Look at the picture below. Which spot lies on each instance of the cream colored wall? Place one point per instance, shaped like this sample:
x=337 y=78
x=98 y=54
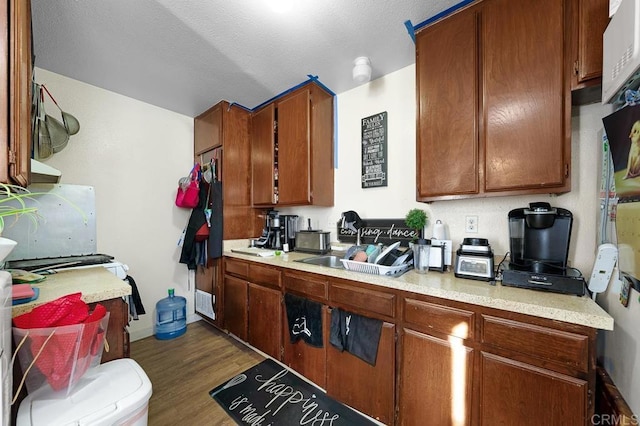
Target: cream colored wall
x=133 y=154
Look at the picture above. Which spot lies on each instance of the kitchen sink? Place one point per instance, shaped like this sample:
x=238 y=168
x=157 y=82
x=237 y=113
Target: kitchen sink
x=329 y=261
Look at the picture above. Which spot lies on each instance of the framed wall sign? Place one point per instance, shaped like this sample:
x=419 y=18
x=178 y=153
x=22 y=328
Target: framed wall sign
x=374 y=150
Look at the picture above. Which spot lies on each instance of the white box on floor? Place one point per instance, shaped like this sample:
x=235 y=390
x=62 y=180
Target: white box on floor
x=113 y=393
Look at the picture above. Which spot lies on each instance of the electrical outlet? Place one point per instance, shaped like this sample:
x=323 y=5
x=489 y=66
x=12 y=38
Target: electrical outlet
x=471 y=224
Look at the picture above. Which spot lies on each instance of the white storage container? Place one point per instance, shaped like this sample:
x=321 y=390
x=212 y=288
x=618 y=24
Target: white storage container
x=114 y=393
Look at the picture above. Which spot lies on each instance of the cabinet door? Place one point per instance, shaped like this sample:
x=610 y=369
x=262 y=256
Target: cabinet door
x=207 y=280
x=447 y=148
x=20 y=72
x=207 y=130
x=525 y=95
x=265 y=317
x=117 y=333
x=294 y=184
x=262 y=155
x=305 y=359
x=514 y=393
x=435 y=380
x=366 y=388
x=591 y=19
x=235 y=306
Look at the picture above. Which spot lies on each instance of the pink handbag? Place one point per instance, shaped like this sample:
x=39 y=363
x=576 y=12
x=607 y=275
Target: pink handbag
x=189 y=189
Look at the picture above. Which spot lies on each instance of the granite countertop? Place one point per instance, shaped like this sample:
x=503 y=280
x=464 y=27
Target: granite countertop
x=95 y=284
x=562 y=307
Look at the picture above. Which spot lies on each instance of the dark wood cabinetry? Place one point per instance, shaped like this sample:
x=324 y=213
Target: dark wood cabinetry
x=16 y=70
x=292 y=150
x=589 y=19
x=117 y=334
x=368 y=388
x=235 y=306
x=438 y=361
x=495 y=106
x=513 y=392
x=222 y=132
x=436 y=380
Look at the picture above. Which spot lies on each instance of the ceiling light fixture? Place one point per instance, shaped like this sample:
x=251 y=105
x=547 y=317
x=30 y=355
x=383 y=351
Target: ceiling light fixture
x=361 y=70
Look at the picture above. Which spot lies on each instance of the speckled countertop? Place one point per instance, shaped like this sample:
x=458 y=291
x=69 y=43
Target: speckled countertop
x=95 y=284
x=567 y=308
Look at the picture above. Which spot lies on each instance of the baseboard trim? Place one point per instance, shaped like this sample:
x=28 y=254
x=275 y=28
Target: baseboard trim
x=611 y=408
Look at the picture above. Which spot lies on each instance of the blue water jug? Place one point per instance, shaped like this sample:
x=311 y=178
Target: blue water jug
x=171 y=317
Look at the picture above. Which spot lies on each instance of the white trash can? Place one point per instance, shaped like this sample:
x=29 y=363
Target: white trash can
x=113 y=393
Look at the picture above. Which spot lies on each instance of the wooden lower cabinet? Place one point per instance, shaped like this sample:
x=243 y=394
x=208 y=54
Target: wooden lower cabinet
x=435 y=380
x=515 y=393
x=439 y=362
x=265 y=314
x=367 y=388
x=117 y=333
x=308 y=360
x=235 y=306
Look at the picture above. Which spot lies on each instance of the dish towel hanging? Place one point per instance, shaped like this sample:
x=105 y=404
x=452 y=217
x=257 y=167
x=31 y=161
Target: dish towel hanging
x=304 y=318
x=355 y=334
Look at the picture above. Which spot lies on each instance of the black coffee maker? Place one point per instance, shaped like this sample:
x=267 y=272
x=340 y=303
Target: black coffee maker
x=539 y=238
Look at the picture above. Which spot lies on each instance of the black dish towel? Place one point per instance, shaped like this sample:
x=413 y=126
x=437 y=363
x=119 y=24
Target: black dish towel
x=305 y=320
x=355 y=334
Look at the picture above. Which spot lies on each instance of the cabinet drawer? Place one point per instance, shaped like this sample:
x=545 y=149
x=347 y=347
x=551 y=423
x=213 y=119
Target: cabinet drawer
x=538 y=341
x=236 y=267
x=441 y=319
x=307 y=285
x=259 y=274
x=369 y=300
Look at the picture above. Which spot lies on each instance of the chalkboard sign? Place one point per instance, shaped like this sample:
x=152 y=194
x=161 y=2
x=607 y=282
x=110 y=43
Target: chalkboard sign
x=385 y=231
x=374 y=150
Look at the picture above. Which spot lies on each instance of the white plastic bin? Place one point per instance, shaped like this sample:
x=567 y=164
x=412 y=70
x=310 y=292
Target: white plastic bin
x=114 y=393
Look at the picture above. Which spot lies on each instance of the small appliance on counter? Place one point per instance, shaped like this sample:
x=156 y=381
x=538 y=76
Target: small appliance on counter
x=279 y=232
x=474 y=260
x=539 y=247
x=313 y=241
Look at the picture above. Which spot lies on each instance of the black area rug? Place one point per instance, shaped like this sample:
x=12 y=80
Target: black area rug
x=271 y=395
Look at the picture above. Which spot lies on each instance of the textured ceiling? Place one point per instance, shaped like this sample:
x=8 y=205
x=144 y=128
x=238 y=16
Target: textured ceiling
x=187 y=55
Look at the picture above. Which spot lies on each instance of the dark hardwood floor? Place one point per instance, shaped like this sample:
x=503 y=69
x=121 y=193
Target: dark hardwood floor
x=183 y=371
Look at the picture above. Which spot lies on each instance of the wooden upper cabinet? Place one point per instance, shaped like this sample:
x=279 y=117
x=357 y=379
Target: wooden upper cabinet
x=292 y=150
x=16 y=166
x=525 y=99
x=223 y=131
x=262 y=155
x=447 y=83
x=589 y=19
x=493 y=102
x=207 y=129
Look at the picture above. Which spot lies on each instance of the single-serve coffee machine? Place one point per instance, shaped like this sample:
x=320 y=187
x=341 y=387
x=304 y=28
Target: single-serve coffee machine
x=539 y=237
x=279 y=231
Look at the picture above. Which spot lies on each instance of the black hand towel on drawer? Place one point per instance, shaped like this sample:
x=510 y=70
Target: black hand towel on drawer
x=356 y=334
x=305 y=320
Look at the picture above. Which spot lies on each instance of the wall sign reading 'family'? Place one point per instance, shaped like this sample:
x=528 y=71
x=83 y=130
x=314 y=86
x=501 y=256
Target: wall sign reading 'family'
x=374 y=150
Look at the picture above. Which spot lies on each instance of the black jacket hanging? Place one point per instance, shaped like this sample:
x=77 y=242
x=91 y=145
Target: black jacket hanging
x=197 y=219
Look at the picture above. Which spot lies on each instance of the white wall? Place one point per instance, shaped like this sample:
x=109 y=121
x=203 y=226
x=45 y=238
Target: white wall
x=133 y=154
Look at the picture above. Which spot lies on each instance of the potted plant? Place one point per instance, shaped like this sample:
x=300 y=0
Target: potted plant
x=416 y=219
